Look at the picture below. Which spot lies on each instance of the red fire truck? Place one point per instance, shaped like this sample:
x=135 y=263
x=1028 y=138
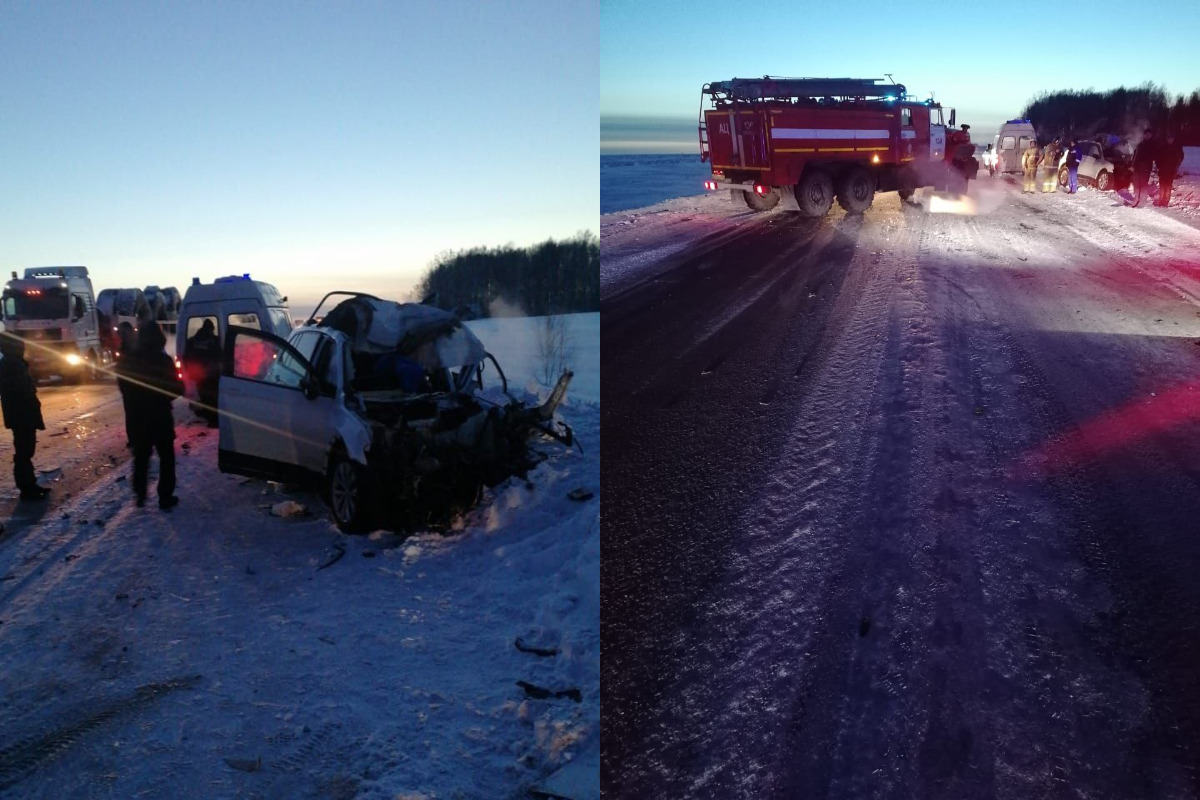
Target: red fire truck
x=803 y=141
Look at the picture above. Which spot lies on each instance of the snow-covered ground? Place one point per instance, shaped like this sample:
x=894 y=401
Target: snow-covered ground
x=220 y=651
x=906 y=502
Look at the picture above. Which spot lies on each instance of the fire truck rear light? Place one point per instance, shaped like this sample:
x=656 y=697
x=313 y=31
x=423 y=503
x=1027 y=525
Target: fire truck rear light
x=875 y=159
x=760 y=189
x=711 y=185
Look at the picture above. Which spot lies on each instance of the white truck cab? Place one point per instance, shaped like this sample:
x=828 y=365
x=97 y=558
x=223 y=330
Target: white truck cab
x=54 y=310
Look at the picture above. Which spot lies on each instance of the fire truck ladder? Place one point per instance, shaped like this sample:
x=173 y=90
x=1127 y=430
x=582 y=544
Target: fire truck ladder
x=704 y=151
x=773 y=88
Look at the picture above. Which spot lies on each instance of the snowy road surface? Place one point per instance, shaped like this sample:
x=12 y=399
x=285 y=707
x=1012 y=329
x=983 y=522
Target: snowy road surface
x=218 y=651
x=903 y=505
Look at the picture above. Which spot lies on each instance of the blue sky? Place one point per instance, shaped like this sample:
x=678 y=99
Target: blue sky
x=314 y=145
x=985 y=59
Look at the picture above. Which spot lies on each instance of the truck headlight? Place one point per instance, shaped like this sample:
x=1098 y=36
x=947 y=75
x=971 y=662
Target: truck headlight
x=73 y=359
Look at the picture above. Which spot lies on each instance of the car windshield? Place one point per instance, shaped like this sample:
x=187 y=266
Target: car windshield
x=35 y=304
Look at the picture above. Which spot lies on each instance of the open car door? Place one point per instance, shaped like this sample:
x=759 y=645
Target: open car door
x=275 y=414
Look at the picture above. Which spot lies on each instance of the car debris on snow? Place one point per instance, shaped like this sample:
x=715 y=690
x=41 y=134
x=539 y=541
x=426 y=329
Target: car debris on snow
x=540 y=693
x=288 y=508
x=245 y=764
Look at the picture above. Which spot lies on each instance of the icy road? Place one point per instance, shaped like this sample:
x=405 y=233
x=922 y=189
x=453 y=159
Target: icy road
x=902 y=505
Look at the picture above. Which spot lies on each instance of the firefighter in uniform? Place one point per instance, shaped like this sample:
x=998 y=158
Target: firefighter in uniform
x=1050 y=167
x=1029 y=163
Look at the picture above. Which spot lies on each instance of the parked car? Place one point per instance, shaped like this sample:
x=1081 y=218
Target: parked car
x=381 y=405
x=1103 y=167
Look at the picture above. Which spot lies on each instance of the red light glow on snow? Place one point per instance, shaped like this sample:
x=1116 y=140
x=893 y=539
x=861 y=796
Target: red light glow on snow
x=1103 y=436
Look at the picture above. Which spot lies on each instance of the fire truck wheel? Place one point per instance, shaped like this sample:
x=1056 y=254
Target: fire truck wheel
x=856 y=190
x=763 y=202
x=814 y=194
x=908 y=185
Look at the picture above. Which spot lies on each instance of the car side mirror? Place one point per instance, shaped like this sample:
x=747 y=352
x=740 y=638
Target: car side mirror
x=311 y=388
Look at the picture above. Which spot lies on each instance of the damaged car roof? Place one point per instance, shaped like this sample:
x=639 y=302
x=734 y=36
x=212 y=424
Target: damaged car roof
x=433 y=338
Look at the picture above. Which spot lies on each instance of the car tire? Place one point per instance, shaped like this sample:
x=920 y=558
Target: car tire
x=348 y=495
x=1104 y=180
x=856 y=190
x=763 y=202
x=814 y=193
x=1064 y=179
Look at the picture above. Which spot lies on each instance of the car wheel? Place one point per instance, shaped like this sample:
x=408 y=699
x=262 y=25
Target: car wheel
x=1064 y=179
x=814 y=193
x=763 y=202
x=856 y=190
x=348 y=496
x=1104 y=180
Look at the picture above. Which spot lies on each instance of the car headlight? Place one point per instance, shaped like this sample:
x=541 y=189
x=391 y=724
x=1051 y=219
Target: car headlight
x=74 y=360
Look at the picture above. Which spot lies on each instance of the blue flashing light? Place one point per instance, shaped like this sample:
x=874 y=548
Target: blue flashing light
x=890 y=98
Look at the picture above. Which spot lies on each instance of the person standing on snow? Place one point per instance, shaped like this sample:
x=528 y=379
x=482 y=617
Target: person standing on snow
x=1029 y=162
x=147 y=377
x=1050 y=167
x=22 y=414
x=1073 y=167
x=202 y=354
x=1143 y=162
x=1170 y=157
x=989 y=161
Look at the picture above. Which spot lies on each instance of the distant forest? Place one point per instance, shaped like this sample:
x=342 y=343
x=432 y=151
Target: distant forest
x=1122 y=112
x=554 y=277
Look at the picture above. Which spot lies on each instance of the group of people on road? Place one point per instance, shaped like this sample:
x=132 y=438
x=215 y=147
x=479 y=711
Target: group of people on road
x=1046 y=159
x=1150 y=153
x=1166 y=155
x=148 y=384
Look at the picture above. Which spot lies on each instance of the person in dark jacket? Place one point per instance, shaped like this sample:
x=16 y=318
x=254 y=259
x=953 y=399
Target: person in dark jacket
x=126 y=344
x=1143 y=163
x=22 y=413
x=1073 y=168
x=202 y=354
x=1170 y=157
x=148 y=379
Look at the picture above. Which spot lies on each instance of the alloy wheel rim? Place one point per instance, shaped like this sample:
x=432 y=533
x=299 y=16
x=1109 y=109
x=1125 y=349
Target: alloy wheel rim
x=345 y=485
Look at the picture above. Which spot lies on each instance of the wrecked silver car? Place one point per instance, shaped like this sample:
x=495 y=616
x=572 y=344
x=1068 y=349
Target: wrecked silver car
x=381 y=405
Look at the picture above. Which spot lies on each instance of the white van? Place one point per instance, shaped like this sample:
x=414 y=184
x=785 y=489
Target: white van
x=233 y=300
x=1011 y=143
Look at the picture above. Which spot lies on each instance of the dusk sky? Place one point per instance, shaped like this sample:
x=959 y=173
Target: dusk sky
x=984 y=59
x=314 y=145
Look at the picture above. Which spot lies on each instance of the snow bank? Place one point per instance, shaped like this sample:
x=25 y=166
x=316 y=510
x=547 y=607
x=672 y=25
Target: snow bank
x=516 y=344
x=231 y=652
